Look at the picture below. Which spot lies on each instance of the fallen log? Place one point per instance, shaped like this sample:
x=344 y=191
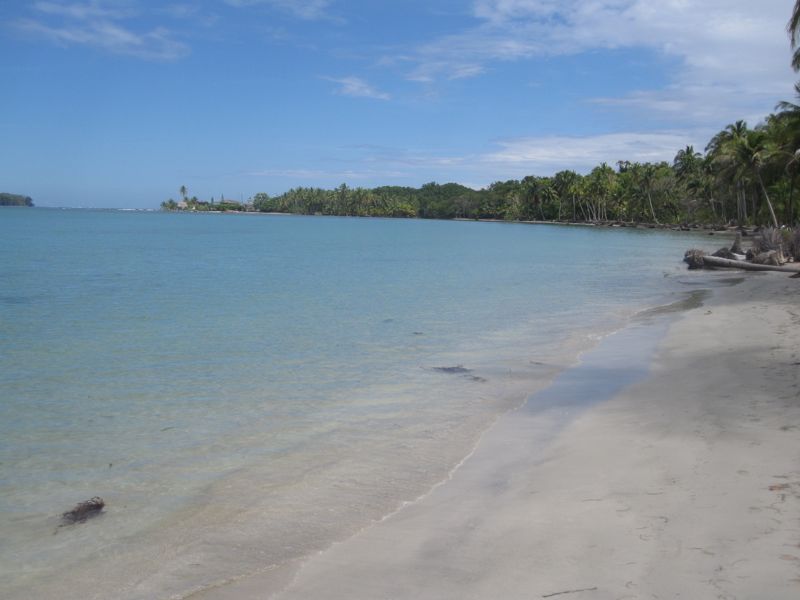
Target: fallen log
x=698 y=260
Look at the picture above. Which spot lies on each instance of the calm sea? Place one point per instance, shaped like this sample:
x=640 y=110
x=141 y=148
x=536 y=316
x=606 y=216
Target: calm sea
x=244 y=390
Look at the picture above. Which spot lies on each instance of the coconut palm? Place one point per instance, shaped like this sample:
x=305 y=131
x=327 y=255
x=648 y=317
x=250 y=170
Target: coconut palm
x=753 y=151
x=729 y=170
x=687 y=162
x=793 y=27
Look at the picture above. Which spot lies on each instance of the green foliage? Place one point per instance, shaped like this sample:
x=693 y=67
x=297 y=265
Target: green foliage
x=745 y=177
x=7 y=199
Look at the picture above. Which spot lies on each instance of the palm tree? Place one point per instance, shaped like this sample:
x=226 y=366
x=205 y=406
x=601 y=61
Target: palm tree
x=783 y=129
x=722 y=153
x=753 y=151
x=692 y=171
x=687 y=162
x=793 y=27
x=183 y=192
x=566 y=184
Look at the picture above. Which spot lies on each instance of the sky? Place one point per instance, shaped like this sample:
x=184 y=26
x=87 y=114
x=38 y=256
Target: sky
x=118 y=103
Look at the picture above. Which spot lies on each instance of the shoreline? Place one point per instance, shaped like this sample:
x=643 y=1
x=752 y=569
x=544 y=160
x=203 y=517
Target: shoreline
x=706 y=228
x=187 y=549
x=684 y=483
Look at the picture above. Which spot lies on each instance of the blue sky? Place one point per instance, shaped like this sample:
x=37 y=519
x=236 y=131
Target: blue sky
x=117 y=103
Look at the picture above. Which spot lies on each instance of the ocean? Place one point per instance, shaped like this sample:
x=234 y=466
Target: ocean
x=245 y=390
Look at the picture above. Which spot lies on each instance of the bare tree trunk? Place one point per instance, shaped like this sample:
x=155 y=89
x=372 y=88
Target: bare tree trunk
x=742 y=203
x=726 y=263
x=766 y=197
x=650 y=202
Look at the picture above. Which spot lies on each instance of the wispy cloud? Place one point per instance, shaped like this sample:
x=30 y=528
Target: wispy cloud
x=731 y=55
x=84 y=10
x=303 y=9
x=358 y=88
x=503 y=159
x=547 y=154
x=100 y=25
x=514 y=158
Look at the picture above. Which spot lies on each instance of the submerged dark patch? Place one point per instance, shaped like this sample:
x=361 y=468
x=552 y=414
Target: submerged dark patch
x=453 y=370
x=84 y=510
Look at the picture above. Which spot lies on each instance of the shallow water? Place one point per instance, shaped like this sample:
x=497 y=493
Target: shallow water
x=242 y=390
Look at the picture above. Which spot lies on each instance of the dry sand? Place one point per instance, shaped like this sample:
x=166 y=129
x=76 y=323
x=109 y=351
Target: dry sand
x=684 y=484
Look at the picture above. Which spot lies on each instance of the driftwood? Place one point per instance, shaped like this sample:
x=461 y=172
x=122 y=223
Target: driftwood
x=697 y=259
x=741 y=264
x=84 y=510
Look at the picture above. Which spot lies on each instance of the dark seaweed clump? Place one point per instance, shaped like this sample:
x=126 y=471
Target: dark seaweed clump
x=84 y=510
x=456 y=370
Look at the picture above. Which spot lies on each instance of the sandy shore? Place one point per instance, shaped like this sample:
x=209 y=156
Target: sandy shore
x=685 y=483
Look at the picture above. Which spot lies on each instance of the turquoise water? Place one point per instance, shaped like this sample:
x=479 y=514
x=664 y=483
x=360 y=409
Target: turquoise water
x=244 y=389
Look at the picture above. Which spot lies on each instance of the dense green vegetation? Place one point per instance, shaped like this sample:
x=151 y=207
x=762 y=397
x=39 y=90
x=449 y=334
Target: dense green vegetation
x=7 y=199
x=746 y=175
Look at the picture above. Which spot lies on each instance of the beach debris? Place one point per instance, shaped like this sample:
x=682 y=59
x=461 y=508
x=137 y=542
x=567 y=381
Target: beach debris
x=724 y=253
x=697 y=259
x=458 y=369
x=779 y=487
x=84 y=510
x=591 y=589
x=694 y=258
x=770 y=257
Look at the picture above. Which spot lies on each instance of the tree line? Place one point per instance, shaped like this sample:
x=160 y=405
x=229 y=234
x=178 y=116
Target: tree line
x=745 y=176
x=7 y=199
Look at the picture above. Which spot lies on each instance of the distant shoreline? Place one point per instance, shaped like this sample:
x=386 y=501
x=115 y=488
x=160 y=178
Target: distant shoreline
x=696 y=227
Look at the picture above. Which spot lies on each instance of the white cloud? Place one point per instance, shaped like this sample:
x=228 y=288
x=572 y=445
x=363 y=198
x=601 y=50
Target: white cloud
x=100 y=24
x=515 y=158
x=358 y=88
x=548 y=154
x=83 y=10
x=505 y=159
x=732 y=55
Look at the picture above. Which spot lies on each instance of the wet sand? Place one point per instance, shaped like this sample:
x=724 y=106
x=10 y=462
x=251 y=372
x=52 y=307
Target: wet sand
x=677 y=480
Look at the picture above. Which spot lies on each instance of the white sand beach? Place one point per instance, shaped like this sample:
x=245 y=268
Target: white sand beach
x=686 y=484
